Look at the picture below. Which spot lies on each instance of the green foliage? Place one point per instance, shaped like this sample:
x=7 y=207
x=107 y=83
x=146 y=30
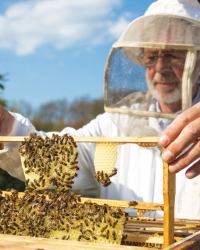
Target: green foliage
x=2 y=101
x=7 y=181
x=56 y=115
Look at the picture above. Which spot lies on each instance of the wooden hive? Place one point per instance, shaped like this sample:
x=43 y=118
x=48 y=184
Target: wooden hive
x=142 y=232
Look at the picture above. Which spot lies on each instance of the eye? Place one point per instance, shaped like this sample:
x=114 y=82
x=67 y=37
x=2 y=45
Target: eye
x=174 y=58
x=150 y=58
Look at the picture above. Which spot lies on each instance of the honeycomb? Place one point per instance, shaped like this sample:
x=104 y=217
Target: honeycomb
x=60 y=215
x=50 y=161
x=104 y=162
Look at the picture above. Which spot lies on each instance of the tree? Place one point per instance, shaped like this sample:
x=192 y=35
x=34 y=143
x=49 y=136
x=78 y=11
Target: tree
x=2 y=79
x=83 y=110
x=51 y=116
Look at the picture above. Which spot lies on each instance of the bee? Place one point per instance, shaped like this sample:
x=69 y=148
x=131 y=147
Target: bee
x=79 y=200
x=48 y=160
x=52 y=157
x=97 y=224
x=132 y=203
x=43 y=182
x=86 y=237
x=73 y=167
x=114 y=172
x=76 y=156
x=57 y=172
x=29 y=209
x=86 y=222
x=62 y=222
x=105 y=210
x=70 y=222
x=69 y=186
x=36 y=183
x=11 y=227
x=106 y=184
x=65 y=237
x=71 y=149
x=67 y=228
x=32 y=184
x=101 y=175
x=40 y=179
x=93 y=236
x=27 y=182
x=103 y=219
x=115 y=215
x=114 y=235
x=124 y=236
x=66 y=173
x=16 y=225
x=65 y=140
x=79 y=237
x=75 y=227
x=109 y=222
x=107 y=234
x=104 y=228
x=115 y=223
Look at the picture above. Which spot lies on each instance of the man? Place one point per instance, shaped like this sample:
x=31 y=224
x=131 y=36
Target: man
x=167 y=71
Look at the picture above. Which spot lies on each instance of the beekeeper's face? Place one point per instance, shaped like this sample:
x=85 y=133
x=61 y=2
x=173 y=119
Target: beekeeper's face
x=164 y=71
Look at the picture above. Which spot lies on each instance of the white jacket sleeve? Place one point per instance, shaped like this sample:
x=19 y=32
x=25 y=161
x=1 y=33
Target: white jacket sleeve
x=10 y=158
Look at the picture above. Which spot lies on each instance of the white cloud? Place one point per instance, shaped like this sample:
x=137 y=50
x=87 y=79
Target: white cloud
x=62 y=23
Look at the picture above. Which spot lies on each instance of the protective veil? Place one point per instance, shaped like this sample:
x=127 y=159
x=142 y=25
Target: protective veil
x=128 y=98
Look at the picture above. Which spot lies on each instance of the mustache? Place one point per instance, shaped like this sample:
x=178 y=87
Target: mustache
x=165 y=78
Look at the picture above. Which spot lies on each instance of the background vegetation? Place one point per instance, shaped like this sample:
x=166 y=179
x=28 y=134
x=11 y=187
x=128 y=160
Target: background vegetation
x=51 y=116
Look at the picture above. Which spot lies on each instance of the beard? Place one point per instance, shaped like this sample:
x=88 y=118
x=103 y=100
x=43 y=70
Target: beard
x=165 y=95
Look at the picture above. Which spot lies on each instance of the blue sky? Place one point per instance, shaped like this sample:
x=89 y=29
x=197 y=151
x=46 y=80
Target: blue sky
x=55 y=49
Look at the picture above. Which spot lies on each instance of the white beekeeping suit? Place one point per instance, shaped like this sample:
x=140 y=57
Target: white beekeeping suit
x=140 y=172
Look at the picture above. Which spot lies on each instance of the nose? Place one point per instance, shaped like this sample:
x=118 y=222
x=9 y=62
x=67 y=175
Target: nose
x=161 y=65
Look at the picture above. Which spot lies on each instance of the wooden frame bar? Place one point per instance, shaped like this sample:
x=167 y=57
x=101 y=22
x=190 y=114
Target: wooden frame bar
x=169 y=198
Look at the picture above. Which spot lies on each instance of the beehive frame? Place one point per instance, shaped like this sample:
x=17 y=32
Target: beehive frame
x=168 y=178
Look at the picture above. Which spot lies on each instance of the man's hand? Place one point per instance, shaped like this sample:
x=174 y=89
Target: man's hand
x=183 y=134
x=6 y=123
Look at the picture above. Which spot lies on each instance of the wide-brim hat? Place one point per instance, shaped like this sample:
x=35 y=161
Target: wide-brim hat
x=175 y=22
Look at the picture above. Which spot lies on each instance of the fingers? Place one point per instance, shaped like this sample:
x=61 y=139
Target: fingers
x=182 y=136
x=193 y=171
x=182 y=132
x=191 y=155
x=188 y=136
x=176 y=127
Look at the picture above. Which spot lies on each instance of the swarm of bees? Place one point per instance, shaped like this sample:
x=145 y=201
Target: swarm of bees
x=104 y=178
x=50 y=161
x=60 y=215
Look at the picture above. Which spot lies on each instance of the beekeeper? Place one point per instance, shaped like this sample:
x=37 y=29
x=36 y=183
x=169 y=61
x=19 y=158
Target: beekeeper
x=151 y=77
